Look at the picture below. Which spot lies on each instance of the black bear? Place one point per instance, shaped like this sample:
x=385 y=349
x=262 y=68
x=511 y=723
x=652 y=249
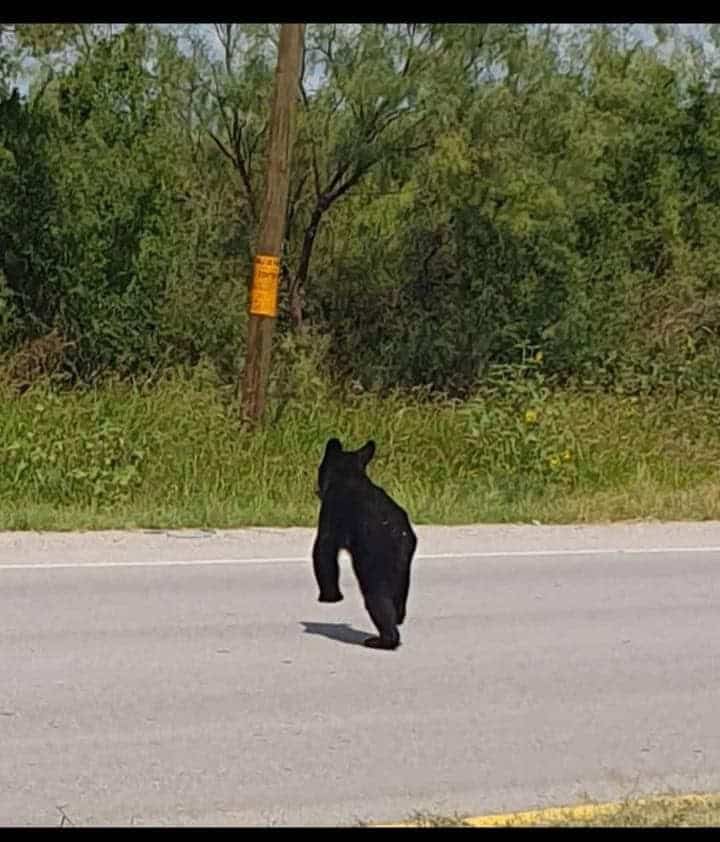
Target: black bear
x=358 y=516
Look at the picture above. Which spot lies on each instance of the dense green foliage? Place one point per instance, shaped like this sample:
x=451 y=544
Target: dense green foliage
x=463 y=197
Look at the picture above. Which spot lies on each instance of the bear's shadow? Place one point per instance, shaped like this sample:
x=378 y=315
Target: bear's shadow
x=337 y=631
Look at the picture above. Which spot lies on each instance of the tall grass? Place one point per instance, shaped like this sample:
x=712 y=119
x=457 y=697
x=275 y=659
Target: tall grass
x=175 y=454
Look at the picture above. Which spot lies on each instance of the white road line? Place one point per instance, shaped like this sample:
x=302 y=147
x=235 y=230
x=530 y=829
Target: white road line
x=210 y=562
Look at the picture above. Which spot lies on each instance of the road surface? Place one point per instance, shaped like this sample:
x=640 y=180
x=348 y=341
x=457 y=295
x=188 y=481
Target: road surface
x=193 y=679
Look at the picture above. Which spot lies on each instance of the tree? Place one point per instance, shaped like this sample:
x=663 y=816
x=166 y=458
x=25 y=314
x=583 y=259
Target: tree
x=363 y=110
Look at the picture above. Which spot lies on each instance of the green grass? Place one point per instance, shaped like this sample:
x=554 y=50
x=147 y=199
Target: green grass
x=175 y=455
x=657 y=811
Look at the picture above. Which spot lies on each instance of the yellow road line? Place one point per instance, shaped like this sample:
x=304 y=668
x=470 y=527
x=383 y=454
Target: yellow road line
x=576 y=813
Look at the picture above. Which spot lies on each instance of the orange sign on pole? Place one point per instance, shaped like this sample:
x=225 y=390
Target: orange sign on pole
x=264 y=288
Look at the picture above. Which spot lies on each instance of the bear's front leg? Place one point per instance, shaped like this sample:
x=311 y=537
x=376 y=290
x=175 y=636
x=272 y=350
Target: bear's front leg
x=327 y=569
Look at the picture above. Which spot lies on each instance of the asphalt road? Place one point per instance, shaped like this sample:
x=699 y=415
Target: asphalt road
x=193 y=679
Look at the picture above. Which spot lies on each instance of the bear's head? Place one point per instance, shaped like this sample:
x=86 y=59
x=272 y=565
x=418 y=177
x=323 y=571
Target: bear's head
x=342 y=464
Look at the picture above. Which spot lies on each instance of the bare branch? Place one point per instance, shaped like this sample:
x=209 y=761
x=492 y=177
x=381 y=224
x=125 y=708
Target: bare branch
x=295 y=199
x=302 y=72
x=336 y=104
x=313 y=142
x=238 y=162
x=339 y=173
x=360 y=171
x=224 y=33
x=411 y=28
x=221 y=146
x=86 y=43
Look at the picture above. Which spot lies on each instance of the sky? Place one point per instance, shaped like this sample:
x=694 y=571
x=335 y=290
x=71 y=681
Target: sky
x=643 y=31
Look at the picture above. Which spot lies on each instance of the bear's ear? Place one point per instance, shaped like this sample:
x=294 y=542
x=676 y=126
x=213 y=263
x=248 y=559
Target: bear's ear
x=366 y=453
x=333 y=446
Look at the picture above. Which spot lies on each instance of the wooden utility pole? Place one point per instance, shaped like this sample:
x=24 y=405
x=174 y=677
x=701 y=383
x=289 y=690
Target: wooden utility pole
x=266 y=266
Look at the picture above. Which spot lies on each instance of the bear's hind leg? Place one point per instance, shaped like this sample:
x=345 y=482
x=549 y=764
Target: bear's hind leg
x=402 y=595
x=383 y=614
x=406 y=551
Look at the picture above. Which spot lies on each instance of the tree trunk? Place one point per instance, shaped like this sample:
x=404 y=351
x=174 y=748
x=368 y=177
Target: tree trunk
x=297 y=287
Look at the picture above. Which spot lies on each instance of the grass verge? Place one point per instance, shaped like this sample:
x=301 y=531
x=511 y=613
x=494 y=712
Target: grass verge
x=174 y=455
x=658 y=811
